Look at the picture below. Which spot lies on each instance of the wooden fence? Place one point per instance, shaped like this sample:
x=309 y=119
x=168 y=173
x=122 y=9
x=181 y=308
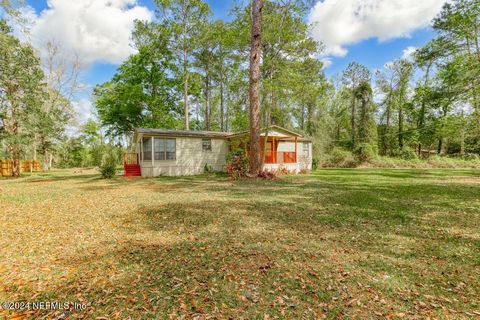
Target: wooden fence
x=6 y=167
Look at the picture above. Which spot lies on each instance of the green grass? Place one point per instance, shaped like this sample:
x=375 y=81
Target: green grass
x=350 y=243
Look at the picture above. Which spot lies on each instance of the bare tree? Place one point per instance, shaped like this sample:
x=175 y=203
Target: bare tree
x=62 y=79
x=255 y=52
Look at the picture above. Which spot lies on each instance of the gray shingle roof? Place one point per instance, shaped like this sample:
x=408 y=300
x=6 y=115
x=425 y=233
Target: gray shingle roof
x=185 y=133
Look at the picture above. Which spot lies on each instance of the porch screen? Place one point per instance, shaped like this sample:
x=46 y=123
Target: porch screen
x=284 y=146
x=165 y=149
x=147 y=149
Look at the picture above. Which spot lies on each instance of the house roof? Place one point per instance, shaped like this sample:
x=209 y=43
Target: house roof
x=184 y=133
x=273 y=127
x=213 y=134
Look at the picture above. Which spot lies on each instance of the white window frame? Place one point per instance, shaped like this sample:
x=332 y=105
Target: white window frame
x=204 y=148
x=164 y=149
x=306 y=147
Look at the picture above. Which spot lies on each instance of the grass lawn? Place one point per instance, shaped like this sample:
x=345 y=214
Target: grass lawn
x=337 y=243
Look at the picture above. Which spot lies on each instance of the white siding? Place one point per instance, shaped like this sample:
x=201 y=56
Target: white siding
x=190 y=158
x=304 y=157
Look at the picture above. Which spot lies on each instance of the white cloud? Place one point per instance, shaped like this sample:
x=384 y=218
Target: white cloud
x=408 y=52
x=338 y=23
x=84 y=110
x=95 y=30
x=327 y=62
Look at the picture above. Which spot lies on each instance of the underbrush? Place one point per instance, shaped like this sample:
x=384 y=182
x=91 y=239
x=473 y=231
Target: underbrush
x=340 y=158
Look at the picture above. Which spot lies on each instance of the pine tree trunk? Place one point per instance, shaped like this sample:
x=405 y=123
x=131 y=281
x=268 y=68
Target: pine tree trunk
x=462 y=136
x=14 y=148
x=185 y=87
x=254 y=90
x=207 y=103
x=46 y=160
x=400 y=127
x=353 y=121
x=15 y=153
x=35 y=147
x=222 y=102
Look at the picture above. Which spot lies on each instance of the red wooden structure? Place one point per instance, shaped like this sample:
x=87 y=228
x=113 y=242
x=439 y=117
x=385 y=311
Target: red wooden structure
x=131 y=165
x=272 y=156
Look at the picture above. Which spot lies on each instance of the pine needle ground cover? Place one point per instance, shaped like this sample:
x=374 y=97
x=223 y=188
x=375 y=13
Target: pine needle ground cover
x=336 y=243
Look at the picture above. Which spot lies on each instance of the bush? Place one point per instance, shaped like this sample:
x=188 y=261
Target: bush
x=315 y=163
x=237 y=164
x=471 y=157
x=408 y=154
x=108 y=167
x=365 y=152
x=207 y=168
x=341 y=158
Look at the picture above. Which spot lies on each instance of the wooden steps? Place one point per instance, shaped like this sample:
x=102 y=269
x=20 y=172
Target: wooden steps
x=132 y=170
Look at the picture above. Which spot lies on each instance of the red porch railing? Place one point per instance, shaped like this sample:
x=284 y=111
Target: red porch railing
x=279 y=157
x=130 y=158
x=131 y=165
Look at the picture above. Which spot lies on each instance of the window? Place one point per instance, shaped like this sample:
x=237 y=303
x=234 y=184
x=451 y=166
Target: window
x=165 y=149
x=147 y=149
x=159 y=149
x=306 y=148
x=207 y=144
x=170 y=149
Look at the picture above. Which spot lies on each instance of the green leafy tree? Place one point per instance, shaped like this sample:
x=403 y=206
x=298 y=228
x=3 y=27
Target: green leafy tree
x=22 y=91
x=184 y=18
x=143 y=91
x=352 y=77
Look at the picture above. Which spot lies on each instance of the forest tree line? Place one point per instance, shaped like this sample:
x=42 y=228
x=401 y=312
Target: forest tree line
x=192 y=72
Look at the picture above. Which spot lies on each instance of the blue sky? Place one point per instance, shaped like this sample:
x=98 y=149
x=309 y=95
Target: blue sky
x=371 y=32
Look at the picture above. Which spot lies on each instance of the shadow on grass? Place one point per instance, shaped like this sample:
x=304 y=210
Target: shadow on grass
x=289 y=248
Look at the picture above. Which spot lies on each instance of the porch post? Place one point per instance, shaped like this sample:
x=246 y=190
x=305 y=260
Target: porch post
x=141 y=148
x=274 y=153
x=296 y=150
x=153 y=153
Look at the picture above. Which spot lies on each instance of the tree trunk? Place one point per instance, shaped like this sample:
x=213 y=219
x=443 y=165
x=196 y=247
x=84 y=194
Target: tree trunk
x=421 y=120
x=462 y=136
x=363 y=134
x=185 y=87
x=255 y=51
x=35 y=147
x=400 y=126
x=353 y=121
x=222 y=102
x=207 y=103
x=386 y=144
x=14 y=148
x=15 y=153
x=46 y=160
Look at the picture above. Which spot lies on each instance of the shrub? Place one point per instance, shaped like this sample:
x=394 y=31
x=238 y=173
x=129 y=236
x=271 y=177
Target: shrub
x=408 y=154
x=315 y=163
x=237 y=164
x=207 y=168
x=341 y=158
x=471 y=157
x=108 y=166
x=365 y=152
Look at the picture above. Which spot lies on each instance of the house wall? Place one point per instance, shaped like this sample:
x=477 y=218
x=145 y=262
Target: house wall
x=190 y=158
x=304 y=158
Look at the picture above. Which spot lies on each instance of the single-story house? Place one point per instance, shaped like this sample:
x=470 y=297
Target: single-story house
x=181 y=152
